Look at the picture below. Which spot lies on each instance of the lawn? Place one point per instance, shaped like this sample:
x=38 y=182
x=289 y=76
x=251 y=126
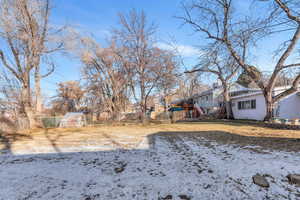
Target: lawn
x=203 y=160
x=108 y=137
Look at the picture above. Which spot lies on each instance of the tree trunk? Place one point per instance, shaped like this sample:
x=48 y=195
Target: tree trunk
x=269 y=106
x=165 y=104
x=27 y=105
x=30 y=116
x=143 y=104
x=116 y=112
x=38 y=96
x=227 y=103
x=143 y=113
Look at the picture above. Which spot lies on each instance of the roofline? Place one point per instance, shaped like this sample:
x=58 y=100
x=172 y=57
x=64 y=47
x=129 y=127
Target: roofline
x=258 y=93
x=220 y=87
x=255 y=91
x=247 y=95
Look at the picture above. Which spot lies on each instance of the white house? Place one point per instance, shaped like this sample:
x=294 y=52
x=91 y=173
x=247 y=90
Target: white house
x=211 y=100
x=251 y=105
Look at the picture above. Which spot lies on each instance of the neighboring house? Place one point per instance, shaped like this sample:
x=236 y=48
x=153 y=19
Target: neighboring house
x=211 y=100
x=247 y=103
x=250 y=104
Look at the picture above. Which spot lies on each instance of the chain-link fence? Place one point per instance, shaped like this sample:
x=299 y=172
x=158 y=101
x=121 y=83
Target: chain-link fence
x=51 y=122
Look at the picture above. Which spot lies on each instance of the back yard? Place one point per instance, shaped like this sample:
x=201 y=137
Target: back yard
x=203 y=160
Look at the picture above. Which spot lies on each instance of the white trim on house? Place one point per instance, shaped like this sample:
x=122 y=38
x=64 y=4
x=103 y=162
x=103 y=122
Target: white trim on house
x=258 y=113
x=286 y=108
x=246 y=95
x=211 y=100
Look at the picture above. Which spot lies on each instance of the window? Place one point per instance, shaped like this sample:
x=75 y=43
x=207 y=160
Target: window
x=250 y=104
x=253 y=104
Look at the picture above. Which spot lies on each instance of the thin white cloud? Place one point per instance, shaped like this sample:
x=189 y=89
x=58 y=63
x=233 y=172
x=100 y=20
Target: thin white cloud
x=102 y=33
x=183 y=50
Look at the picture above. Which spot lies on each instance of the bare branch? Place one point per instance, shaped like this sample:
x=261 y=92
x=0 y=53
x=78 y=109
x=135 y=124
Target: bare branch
x=294 y=88
x=286 y=9
x=202 y=70
x=11 y=69
x=50 y=71
x=291 y=65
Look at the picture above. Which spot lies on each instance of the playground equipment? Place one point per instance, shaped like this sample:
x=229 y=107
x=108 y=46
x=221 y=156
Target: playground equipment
x=199 y=109
x=186 y=110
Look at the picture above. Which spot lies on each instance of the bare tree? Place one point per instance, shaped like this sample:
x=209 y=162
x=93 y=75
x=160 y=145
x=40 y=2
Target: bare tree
x=216 y=19
x=107 y=76
x=9 y=96
x=215 y=60
x=147 y=63
x=69 y=97
x=285 y=78
x=189 y=85
x=167 y=85
x=27 y=38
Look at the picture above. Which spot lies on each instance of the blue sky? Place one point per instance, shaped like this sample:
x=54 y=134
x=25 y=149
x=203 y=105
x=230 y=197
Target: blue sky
x=97 y=17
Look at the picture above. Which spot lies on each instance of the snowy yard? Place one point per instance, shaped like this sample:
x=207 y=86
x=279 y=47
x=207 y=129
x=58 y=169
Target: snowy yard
x=196 y=161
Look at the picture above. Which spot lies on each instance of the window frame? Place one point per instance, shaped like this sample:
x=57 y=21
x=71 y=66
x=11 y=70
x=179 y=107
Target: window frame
x=247 y=104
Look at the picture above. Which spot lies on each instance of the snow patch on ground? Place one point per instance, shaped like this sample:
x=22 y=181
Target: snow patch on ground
x=173 y=165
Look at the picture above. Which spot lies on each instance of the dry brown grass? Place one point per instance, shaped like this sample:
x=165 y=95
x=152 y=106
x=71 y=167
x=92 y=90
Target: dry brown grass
x=130 y=136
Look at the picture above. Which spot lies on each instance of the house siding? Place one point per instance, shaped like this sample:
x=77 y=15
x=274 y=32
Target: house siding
x=207 y=102
x=287 y=108
x=255 y=114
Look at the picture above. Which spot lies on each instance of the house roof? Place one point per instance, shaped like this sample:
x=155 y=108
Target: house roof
x=247 y=95
x=206 y=92
x=237 y=88
x=256 y=92
x=234 y=88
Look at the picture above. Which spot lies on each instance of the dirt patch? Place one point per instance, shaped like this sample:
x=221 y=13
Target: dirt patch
x=132 y=136
x=251 y=143
x=179 y=164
